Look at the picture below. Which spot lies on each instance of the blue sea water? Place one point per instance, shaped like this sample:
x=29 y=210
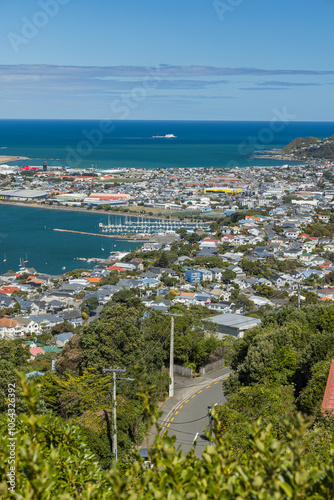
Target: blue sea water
x=119 y=144
x=26 y=233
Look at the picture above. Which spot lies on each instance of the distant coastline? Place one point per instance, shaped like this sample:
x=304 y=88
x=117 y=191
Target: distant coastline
x=10 y=159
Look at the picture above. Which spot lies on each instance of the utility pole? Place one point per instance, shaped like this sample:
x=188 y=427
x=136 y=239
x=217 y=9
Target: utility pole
x=171 y=353
x=114 y=437
x=171 y=358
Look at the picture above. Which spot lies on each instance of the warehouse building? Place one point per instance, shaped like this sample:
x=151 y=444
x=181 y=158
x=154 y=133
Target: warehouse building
x=23 y=194
x=222 y=189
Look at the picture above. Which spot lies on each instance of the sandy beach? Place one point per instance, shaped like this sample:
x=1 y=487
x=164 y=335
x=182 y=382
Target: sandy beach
x=9 y=159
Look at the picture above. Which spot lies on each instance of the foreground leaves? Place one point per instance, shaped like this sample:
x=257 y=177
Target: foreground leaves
x=53 y=462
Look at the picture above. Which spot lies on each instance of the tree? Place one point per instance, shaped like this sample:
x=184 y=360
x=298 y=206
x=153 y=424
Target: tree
x=229 y=275
x=58 y=462
x=90 y=305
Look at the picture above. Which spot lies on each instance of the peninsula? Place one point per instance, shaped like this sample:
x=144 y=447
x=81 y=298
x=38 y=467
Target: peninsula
x=301 y=149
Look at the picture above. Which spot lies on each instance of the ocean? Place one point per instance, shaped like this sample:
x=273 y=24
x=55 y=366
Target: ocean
x=129 y=144
x=25 y=232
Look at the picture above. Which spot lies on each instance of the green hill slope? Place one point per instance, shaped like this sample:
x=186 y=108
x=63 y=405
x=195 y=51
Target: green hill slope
x=311 y=148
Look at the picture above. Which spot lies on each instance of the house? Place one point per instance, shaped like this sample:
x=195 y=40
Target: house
x=186 y=298
x=150 y=282
x=128 y=284
x=116 y=268
x=260 y=301
x=11 y=329
x=323 y=218
x=34 y=351
x=47 y=320
x=181 y=259
x=73 y=316
x=209 y=243
x=8 y=290
x=193 y=276
x=306 y=257
x=63 y=338
x=231 y=324
x=6 y=301
x=206 y=275
x=291 y=233
x=29 y=325
x=327 y=406
x=217 y=273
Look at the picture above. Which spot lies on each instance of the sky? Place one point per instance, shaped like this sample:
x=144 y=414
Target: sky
x=175 y=60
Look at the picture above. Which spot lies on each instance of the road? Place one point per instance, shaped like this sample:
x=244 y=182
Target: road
x=190 y=419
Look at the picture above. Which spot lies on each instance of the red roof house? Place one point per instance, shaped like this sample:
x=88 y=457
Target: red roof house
x=328 y=401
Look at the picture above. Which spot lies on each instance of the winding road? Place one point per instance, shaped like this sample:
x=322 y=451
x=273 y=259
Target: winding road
x=189 y=420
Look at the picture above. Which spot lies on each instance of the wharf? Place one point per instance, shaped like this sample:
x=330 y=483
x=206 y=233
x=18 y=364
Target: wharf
x=127 y=237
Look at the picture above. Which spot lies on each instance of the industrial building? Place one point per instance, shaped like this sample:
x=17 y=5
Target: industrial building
x=23 y=194
x=222 y=189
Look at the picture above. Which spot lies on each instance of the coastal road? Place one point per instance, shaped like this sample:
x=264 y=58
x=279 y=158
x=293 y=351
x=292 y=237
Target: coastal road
x=189 y=420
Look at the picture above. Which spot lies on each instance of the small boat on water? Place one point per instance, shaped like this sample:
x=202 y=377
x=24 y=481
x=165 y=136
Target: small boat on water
x=4 y=258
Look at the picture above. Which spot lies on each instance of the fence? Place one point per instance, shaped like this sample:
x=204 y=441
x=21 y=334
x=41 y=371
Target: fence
x=212 y=367
x=184 y=371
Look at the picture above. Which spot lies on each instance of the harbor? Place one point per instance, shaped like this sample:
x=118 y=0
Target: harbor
x=146 y=227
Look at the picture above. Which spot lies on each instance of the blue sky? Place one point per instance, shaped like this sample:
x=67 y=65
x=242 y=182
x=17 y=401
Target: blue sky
x=185 y=59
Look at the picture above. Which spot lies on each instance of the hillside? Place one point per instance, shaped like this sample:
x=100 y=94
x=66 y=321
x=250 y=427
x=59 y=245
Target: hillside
x=311 y=148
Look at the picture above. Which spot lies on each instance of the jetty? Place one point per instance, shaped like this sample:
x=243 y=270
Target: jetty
x=128 y=237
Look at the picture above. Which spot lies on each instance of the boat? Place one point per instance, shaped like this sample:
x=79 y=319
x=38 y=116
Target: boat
x=4 y=258
x=26 y=261
x=167 y=136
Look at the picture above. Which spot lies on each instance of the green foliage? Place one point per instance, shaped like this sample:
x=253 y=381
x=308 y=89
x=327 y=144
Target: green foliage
x=276 y=463
x=89 y=305
x=112 y=279
x=269 y=402
x=63 y=327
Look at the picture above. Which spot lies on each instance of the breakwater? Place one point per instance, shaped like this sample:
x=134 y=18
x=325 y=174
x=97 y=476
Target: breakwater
x=128 y=237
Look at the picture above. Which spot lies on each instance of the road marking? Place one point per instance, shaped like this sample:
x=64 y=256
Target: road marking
x=177 y=412
x=181 y=407
x=187 y=401
x=193 y=396
x=217 y=382
x=172 y=419
x=195 y=437
x=200 y=391
x=168 y=424
x=208 y=386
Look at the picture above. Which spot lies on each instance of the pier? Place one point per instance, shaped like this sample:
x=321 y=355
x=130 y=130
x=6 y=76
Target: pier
x=128 y=237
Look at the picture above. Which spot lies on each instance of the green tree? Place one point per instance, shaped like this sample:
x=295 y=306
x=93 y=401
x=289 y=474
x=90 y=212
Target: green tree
x=90 y=305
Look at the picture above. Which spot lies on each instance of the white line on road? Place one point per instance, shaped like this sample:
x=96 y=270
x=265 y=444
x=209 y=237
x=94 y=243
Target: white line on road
x=195 y=437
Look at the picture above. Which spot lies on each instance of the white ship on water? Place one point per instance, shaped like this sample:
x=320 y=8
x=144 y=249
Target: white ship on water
x=167 y=136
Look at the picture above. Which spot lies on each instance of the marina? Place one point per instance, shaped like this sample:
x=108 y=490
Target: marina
x=146 y=227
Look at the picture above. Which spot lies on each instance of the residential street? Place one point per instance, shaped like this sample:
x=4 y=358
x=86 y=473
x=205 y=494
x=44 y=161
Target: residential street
x=186 y=415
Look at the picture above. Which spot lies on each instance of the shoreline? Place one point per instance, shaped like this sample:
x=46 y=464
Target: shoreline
x=85 y=210
x=10 y=159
